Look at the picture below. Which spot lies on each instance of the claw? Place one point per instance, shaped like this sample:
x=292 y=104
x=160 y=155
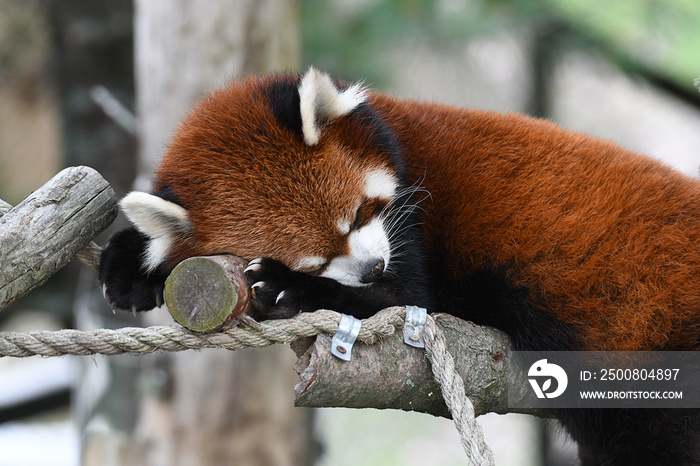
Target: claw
x=159 y=300
x=252 y=267
x=255 y=286
x=114 y=308
x=279 y=296
x=104 y=291
x=133 y=310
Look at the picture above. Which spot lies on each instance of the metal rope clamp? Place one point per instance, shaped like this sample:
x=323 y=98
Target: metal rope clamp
x=413 y=328
x=344 y=338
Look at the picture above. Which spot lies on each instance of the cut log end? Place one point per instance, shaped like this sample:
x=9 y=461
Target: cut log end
x=206 y=294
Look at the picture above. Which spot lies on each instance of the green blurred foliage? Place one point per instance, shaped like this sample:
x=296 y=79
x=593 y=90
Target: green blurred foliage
x=662 y=34
x=352 y=38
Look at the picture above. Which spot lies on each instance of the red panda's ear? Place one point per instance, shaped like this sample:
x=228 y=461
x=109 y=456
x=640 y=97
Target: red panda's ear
x=320 y=101
x=158 y=219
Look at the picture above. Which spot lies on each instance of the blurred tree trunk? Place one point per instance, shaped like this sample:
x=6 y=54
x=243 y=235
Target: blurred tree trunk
x=211 y=407
x=93 y=49
x=544 y=53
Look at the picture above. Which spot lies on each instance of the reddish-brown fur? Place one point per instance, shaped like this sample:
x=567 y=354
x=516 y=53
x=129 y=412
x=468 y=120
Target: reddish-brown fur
x=231 y=148
x=608 y=239
x=575 y=243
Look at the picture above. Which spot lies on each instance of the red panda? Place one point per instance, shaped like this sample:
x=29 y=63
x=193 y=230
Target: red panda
x=347 y=199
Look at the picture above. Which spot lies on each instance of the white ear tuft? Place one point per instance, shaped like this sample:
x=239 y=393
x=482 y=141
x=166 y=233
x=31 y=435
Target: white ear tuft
x=158 y=219
x=153 y=215
x=321 y=100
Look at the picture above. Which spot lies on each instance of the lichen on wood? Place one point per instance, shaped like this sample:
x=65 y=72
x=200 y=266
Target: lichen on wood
x=204 y=294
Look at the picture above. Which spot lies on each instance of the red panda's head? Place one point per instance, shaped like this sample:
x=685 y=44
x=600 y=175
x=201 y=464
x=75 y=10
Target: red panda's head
x=298 y=169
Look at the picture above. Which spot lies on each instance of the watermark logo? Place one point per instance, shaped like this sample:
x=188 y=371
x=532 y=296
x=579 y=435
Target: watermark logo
x=605 y=379
x=544 y=372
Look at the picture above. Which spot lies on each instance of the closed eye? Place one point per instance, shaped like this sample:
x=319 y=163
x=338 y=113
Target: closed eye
x=316 y=271
x=358 y=218
x=369 y=209
x=312 y=265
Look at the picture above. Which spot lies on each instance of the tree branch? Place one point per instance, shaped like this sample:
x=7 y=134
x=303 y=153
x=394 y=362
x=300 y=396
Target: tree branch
x=389 y=374
x=43 y=233
x=393 y=375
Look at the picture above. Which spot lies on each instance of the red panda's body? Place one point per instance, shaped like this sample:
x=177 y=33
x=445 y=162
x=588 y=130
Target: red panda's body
x=605 y=239
x=355 y=201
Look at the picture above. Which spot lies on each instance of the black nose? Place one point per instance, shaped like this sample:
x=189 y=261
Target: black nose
x=373 y=271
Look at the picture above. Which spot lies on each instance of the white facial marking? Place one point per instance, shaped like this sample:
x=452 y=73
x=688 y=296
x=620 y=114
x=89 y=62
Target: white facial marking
x=380 y=184
x=367 y=245
x=343 y=226
x=158 y=219
x=320 y=100
x=310 y=263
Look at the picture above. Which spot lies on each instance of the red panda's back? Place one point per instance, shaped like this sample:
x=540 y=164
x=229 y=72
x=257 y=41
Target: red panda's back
x=607 y=239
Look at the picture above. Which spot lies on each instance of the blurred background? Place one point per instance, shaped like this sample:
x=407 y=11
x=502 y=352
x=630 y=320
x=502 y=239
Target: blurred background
x=102 y=83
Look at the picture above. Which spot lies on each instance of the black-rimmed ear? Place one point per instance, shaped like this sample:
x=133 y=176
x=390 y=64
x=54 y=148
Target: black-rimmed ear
x=321 y=101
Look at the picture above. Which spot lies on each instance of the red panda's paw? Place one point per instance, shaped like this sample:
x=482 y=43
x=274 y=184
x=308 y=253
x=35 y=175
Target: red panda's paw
x=275 y=290
x=125 y=283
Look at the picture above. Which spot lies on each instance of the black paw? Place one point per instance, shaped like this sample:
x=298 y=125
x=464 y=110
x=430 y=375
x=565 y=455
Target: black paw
x=276 y=291
x=124 y=282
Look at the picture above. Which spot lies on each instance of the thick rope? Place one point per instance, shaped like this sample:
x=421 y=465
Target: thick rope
x=147 y=340
x=90 y=255
x=452 y=387
x=137 y=340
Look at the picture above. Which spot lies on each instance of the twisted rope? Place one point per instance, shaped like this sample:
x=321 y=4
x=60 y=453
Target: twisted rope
x=90 y=255
x=137 y=340
x=452 y=387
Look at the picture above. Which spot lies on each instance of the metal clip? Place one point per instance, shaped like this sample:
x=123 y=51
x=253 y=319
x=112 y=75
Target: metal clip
x=413 y=328
x=344 y=338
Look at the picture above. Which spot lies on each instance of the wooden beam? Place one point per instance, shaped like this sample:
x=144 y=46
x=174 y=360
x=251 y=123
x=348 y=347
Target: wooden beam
x=42 y=233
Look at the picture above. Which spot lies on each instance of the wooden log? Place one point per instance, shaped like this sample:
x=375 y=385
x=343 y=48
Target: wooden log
x=393 y=375
x=42 y=233
x=205 y=294
x=89 y=256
